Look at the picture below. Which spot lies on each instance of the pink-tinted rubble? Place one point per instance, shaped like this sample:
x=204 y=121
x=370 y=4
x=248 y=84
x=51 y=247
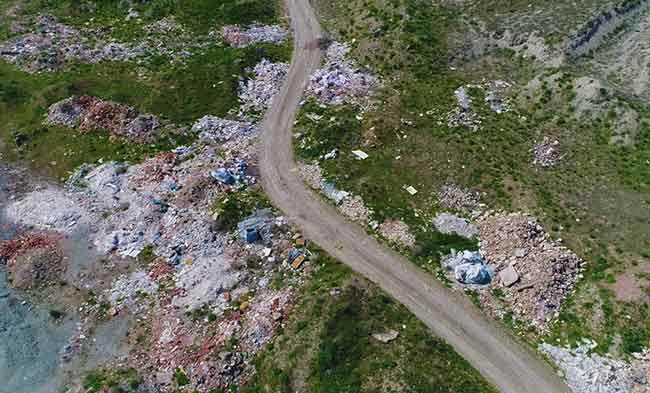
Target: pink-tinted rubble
x=398 y=232
x=257 y=93
x=85 y=113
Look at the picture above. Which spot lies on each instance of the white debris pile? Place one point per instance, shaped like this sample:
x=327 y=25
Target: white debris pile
x=127 y=289
x=257 y=93
x=203 y=281
x=340 y=81
x=536 y=273
x=448 y=223
x=398 y=232
x=589 y=372
x=216 y=129
x=257 y=34
x=546 y=153
x=496 y=95
x=454 y=197
x=50 y=209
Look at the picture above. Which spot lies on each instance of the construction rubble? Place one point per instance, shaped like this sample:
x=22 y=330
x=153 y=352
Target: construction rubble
x=257 y=34
x=546 y=153
x=534 y=272
x=85 y=113
x=589 y=372
x=340 y=81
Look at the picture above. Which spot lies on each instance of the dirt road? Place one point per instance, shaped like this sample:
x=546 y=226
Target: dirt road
x=511 y=367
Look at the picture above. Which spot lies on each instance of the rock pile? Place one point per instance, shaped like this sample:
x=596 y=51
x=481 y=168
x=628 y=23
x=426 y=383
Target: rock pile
x=257 y=93
x=536 y=273
x=340 y=81
x=587 y=372
x=398 y=232
x=546 y=153
x=240 y=38
x=85 y=113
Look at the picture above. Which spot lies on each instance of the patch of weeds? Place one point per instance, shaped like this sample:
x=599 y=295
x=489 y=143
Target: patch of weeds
x=234 y=207
x=146 y=255
x=180 y=378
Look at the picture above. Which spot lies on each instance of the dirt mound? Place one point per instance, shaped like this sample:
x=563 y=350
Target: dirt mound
x=33 y=260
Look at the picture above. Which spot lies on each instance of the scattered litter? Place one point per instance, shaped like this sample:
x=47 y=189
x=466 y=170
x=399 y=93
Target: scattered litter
x=215 y=129
x=386 y=337
x=411 y=190
x=126 y=289
x=360 y=154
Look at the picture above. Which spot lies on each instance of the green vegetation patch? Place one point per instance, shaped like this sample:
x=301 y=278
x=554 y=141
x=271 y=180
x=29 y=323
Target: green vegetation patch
x=113 y=381
x=327 y=346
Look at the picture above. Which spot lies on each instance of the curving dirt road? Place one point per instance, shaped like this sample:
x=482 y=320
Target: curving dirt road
x=511 y=367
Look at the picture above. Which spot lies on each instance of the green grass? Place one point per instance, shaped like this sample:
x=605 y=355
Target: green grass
x=326 y=345
x=181 y=94
x=596 y=199
x=113 y=381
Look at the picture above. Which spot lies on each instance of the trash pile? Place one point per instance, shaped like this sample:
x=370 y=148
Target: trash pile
x=535 y=272
x=52 y=45
x=257 y=34
x=398 y=232
x=257 y=93
x=340 y=81
x=454 y=197
x=216 y=129
x=467 y=267
x=86 y=113
x=448 y=223
x=351 y=206
x=546 y=153
x=589 y=372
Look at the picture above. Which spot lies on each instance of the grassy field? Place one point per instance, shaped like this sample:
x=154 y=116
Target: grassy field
x=326 y=345
x=596 y=199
